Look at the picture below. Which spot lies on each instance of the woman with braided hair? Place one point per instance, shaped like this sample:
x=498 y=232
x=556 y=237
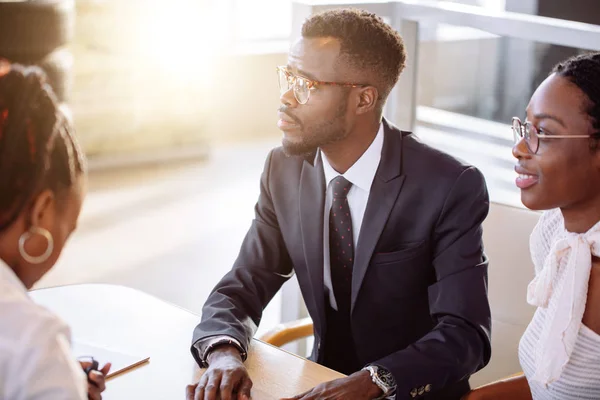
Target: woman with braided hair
x=558 y=166
x=42 y=186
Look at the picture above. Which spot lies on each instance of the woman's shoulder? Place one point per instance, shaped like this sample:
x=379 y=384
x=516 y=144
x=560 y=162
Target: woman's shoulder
x=23 y=322
x=35 y=342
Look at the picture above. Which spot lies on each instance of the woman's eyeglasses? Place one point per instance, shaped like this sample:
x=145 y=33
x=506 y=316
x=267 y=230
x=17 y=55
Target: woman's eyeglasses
x=532 y=135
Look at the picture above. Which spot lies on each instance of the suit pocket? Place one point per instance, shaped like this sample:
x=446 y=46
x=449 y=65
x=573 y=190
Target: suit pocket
x=406 y=251
x=401 y=274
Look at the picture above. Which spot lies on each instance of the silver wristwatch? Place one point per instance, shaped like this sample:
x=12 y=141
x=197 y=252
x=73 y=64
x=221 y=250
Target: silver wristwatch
x=383 y=379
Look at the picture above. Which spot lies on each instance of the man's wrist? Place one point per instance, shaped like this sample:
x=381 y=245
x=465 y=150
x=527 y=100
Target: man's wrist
x=221 y=342
x=383 y=379
x=375 y=391
x=223 y=350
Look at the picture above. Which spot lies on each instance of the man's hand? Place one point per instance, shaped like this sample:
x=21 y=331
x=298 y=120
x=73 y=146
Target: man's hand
x=96 y=380
x=226 y=377
x=358 y=386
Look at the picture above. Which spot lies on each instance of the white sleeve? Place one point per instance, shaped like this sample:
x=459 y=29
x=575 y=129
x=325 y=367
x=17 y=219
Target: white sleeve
x=43 y=368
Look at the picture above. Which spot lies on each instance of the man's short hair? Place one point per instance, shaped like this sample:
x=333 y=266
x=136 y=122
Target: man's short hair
x=367 y=43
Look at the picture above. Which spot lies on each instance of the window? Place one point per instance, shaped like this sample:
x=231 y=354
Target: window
x=253 y=20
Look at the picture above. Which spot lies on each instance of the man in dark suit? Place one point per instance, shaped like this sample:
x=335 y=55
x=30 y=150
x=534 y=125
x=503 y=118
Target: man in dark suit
x=383 y=232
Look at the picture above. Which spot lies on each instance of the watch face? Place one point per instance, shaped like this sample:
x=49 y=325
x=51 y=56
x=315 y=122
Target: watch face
x=386 y=377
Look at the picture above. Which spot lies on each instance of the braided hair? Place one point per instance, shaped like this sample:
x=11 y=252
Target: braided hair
x=38 y=149
x=584 y=71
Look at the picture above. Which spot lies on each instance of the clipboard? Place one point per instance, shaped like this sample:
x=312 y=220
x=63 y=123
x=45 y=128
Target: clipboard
x=121 y=362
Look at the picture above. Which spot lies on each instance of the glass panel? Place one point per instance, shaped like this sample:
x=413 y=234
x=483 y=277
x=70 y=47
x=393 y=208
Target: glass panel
x=470 y=85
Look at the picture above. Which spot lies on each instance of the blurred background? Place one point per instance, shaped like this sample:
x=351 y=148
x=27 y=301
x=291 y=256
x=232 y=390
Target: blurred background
x=175 y=104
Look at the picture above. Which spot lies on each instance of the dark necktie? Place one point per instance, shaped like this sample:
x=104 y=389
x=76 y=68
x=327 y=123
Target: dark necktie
x=341 y=245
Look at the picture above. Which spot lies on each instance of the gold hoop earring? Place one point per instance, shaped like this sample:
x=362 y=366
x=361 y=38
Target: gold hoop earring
x=27 y=235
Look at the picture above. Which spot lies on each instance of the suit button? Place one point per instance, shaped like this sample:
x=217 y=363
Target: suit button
x=414 y=392
x=421 y=390
x=428 y=388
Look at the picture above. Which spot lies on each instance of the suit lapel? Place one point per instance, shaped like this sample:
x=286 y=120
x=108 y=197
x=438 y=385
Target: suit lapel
x=384 y=192
x=312 y=205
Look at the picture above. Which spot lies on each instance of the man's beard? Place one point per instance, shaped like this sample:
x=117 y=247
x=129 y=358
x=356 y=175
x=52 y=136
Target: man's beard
x=320 y=135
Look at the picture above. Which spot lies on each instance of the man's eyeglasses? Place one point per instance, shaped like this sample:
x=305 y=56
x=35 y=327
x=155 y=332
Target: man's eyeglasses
x=532 y=135
x=303 y=86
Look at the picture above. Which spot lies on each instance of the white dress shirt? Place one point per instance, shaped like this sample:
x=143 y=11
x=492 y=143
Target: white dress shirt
x=361 y=175
x=35 y=357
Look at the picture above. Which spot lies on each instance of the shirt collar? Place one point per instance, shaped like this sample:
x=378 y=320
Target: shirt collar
x=362 y=172
x=8 y=275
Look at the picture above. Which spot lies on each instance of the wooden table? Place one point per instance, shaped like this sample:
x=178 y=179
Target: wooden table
x=133 y=322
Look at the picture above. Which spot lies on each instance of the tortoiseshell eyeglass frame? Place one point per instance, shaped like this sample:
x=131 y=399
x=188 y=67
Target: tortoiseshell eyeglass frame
x=310 y=84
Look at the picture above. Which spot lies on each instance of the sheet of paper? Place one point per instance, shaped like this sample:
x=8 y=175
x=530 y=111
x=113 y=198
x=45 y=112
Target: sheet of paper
x=121 y=362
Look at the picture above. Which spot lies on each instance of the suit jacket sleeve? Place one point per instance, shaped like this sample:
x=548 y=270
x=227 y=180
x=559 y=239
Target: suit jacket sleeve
x=459 y=345
x=234 y=307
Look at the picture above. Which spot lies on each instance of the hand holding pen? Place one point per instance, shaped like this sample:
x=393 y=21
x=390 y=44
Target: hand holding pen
x=96 y=377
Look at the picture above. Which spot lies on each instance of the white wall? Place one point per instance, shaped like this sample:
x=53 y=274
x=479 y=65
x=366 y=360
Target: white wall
x=506 y=240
